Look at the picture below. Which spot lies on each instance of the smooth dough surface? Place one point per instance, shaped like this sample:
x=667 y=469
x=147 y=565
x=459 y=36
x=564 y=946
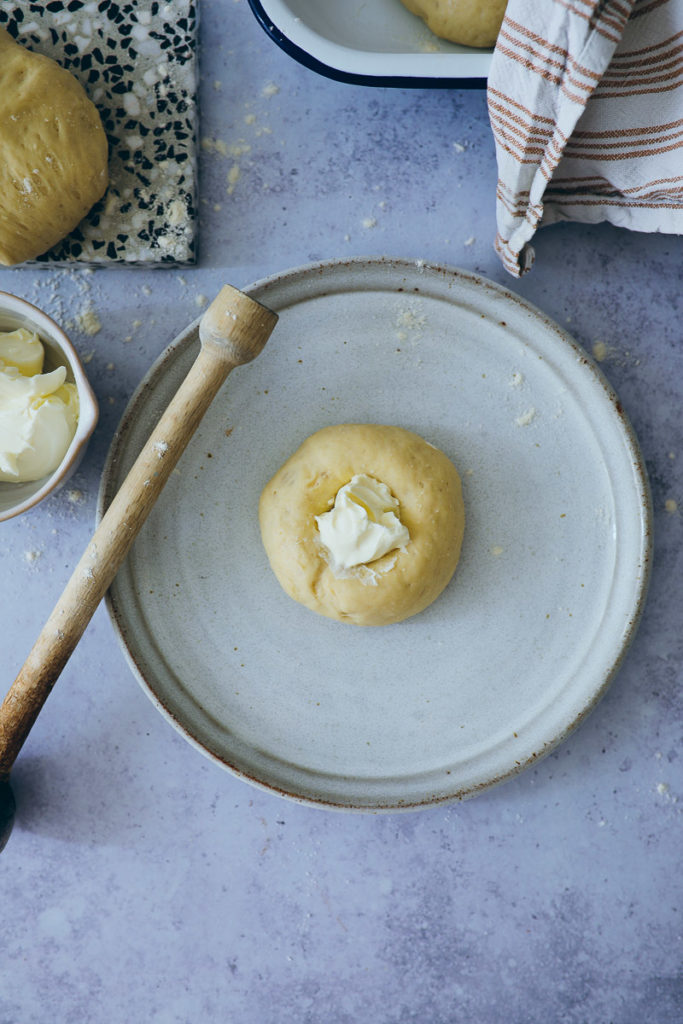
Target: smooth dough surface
x=468 y=22
x=54 y=153
x=400 y=583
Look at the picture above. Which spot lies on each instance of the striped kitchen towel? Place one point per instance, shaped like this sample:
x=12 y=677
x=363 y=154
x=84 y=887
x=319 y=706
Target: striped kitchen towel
x=585 y=100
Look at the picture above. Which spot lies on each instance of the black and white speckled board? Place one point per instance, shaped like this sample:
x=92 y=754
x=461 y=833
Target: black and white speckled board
x=137 y=62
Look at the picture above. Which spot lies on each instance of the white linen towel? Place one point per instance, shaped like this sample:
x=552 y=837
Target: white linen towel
x=585 y=100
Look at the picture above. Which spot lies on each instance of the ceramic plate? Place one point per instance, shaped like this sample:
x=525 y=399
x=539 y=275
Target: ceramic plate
x=543 y=604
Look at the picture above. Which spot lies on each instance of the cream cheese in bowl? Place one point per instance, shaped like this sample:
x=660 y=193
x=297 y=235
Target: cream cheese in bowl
x=47 y=408
x=38 y=411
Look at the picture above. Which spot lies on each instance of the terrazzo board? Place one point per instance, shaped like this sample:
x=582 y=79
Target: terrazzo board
x=141 y=882
x=137 y=63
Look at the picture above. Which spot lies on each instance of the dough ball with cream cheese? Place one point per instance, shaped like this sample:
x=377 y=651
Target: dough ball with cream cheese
x=401 y=582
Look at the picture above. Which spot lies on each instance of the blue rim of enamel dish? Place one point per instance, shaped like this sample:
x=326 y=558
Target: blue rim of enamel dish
x=391 y=81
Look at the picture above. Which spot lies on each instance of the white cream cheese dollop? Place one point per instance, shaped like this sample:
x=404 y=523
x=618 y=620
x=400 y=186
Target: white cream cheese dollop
x=362 y=525
x=38 y=411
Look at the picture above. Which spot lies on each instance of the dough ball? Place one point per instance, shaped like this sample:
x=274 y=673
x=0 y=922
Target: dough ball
x=468 y=22
x=54 y=153
x=402 y=582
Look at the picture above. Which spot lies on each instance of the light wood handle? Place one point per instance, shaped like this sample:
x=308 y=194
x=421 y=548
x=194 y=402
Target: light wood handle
x=107 y=550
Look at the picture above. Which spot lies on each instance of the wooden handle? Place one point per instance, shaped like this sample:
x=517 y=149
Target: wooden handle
x=106 y=551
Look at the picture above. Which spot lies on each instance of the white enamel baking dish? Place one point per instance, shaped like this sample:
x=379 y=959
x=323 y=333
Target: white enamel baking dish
x=370 y=42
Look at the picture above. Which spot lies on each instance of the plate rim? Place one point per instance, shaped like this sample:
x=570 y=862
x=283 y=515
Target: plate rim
x=387 y=264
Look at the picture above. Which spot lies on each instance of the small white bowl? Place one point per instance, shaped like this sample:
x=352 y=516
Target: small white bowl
x=15 y=313
x=378 y=42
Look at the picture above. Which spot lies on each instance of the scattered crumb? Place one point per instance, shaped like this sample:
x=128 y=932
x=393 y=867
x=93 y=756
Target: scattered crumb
x=233 y=178
x=86 y=358
x=410 y=319
x=497 y=550
x=370 y=222
x=32 y=556
x=662 y=788
x=201 y=300
x=671 y=505
x=74 y=496
x=88 y=321
x=270 y=90
x=469 y=241
x=516 y=380
x=526 y=418
x=458 y=147
x=599 y=351
x=160 y=447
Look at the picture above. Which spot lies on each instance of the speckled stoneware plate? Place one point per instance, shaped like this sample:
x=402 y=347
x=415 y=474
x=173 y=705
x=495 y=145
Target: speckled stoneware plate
x=534 y=624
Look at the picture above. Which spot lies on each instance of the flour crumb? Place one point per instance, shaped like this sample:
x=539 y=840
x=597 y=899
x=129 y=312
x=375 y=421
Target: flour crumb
x=233 y=178
x=88 y=321
x=526 y=418
x=664 y=790
x=160 y=447
x=74 y=496
x=600 y=351
x=409 y=319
